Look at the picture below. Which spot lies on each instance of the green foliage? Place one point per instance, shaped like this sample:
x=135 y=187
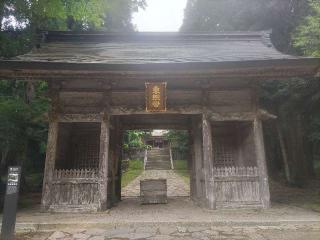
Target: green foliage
x=119 y=14
x=179 y=139
x=180 y=164
x=14 y=43
x=307 y=36
x=134 y=139
x=21 y=19
x=70 y=14
x=21 y=121
x=48 y=14
x=181 y=168
x=282 y=16
x=134 y=170
x=295 y=26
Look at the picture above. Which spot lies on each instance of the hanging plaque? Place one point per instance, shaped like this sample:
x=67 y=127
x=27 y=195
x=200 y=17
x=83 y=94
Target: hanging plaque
x=156 y=97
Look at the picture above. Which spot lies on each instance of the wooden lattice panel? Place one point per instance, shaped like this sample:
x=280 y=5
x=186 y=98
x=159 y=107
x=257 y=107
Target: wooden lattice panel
x=86 y=151
x=79 y=146
x=224 y=151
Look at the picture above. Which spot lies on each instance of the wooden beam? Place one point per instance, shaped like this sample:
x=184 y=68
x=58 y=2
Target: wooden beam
x=129 y=110
x=103 y=163
x=213 y=115
x=261 y=163
x=90 y=117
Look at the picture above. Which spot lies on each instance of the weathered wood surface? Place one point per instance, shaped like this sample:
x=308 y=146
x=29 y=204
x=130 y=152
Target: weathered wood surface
x=75 y=173
x=31 y=71
x=196 y=109
x=208 y=161
x=182 y=101
x=261 y=163
x=237 y=186
x=50 y=163
x=153 y=191
x=79 y=195
x=198 y=160
x=118 y=152
x=69 y=118
x=74 y=190
x=103 y=164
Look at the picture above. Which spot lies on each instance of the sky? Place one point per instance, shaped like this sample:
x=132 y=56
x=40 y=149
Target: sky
x=160 y=16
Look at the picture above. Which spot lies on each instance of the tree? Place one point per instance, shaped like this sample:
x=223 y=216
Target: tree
x=296 y=102
x=23 y=118
x=21 y=19
x=307 y=36
x=21 y=121
x=282 y=16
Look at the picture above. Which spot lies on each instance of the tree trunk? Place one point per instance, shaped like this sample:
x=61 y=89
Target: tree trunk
x=295 y=148
x=4 y=156
x=284 y=154
x=1 y=13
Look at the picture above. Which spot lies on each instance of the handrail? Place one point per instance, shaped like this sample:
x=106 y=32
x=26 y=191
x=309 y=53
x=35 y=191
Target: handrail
x=171 y=160
x=145 y=159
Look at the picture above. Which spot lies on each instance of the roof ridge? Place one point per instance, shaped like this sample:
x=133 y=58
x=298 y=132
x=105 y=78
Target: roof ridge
x=60 y=36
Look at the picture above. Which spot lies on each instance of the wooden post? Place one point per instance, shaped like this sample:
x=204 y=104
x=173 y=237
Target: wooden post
x=50 y=162
x=208 y=161
x=104 y=159
x=261 y=163
x=117 y=159
x=197 y=149
x=193 y=194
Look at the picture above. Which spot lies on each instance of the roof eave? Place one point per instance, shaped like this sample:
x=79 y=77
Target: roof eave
x=276 y=68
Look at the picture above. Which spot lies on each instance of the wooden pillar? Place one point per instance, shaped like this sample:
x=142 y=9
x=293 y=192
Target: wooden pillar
x=261 y=163
x=197 y=149
x=119 y=161
x=192 y=165
x=208 y=161
x=116 y=171
x=51 y=154
x=103 y=164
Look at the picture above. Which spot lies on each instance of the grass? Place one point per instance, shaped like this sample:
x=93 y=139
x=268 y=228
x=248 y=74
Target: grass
x=181 y=168
x=317 y=168
x=134 y=170
x=314 y=205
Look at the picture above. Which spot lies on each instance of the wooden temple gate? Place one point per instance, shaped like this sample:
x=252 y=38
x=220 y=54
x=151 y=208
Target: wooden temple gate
x=84 y=149
x=97 y=87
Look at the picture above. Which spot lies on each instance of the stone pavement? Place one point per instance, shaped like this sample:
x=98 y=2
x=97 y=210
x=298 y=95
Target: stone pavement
x=177 y=186
x=178 y=210
x=171 y=232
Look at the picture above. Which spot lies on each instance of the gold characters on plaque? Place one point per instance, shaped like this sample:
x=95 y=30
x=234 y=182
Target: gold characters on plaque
x=156 y=97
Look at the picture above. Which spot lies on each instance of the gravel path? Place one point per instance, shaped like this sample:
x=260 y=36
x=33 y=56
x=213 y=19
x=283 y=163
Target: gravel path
x=177 y=186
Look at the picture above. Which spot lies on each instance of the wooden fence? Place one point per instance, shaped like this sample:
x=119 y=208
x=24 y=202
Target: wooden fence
x=74 y=189
x=236 y=186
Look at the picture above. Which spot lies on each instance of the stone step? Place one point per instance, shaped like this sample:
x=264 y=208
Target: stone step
x=158 y=159
x=158 y=168
x=158 y=165
x=158 y=154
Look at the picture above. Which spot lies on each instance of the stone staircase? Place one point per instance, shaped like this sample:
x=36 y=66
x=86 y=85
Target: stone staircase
x=158 y=159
